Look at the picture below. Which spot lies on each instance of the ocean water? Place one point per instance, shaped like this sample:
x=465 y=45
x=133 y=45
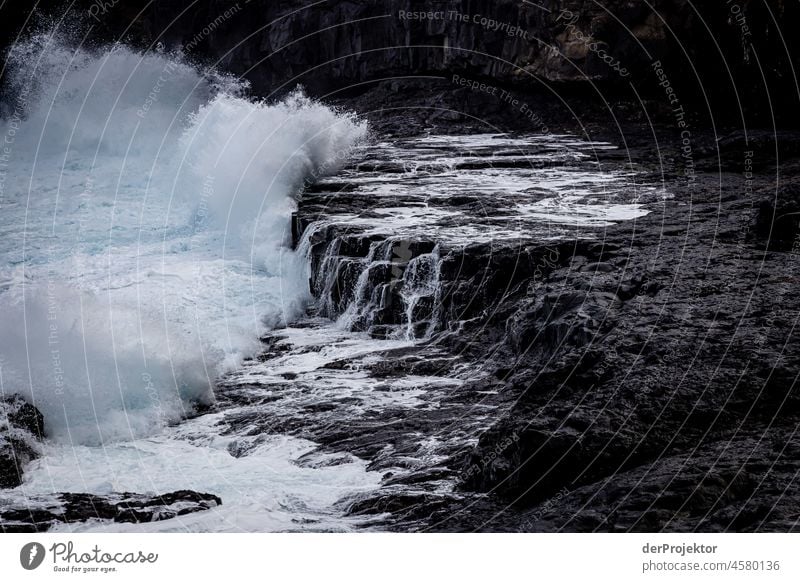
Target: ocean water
x=145 y=210
x=143 y=252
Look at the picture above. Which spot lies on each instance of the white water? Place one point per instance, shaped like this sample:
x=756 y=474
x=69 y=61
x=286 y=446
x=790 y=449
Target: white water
x=279 y=484
x=267 y=490
x=144 y=210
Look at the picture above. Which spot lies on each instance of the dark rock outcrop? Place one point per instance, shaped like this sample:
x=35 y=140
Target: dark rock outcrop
x=713 y=54
x=21 y=427
x=742 y=485
x=698 y=362
x=640 y=380
x=40 y=513
x=778 y=218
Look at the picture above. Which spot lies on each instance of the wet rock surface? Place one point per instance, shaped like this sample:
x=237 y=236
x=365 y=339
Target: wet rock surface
x=635 y=376
x=503 y=370
x=404 y=407
x=702 y=357
x=40 y=513
x=21 y=428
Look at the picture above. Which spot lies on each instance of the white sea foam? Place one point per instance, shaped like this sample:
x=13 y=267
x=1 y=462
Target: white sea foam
x=145 y=209
x=266 y=490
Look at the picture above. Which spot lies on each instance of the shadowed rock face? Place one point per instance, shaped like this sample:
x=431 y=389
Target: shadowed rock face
x=741 y=485
x=713 y=54
x=679 y=407
x=21 y=427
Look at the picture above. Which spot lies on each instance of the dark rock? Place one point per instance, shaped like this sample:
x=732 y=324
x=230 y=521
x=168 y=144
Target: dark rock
x=737 y=485
x=777 y=223
x=410 y=506
x=21 y=427
x=606 y=362
x=347 y=47
x=42 y=512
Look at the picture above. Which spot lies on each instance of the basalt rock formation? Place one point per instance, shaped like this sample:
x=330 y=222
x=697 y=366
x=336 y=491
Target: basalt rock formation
x=728 y=58
x=40 y=513
x=21 y=428
x=640 y=377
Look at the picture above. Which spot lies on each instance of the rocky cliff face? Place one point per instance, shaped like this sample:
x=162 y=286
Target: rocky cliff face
x=720 y=57
x=339 y=44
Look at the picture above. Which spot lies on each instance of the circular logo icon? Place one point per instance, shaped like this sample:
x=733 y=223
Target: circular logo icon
x=31 y=555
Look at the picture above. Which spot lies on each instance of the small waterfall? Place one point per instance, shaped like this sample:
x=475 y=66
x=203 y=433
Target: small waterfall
x=392 y=291
x=359 y=313
x=421 y=294
x=328 y=279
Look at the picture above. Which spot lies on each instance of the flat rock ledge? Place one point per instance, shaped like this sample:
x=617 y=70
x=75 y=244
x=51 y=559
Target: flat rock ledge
x=41 y=513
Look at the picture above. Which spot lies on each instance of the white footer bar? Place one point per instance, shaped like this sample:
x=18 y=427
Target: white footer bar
x=395 y=557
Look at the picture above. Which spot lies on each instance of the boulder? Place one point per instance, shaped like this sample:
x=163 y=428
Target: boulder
x=21 y=428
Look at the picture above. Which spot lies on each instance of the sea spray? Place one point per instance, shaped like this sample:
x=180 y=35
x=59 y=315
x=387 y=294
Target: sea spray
x=145 y=210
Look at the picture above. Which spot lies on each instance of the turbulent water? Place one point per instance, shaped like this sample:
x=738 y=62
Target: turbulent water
x=145 y=210
x=146 y=214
